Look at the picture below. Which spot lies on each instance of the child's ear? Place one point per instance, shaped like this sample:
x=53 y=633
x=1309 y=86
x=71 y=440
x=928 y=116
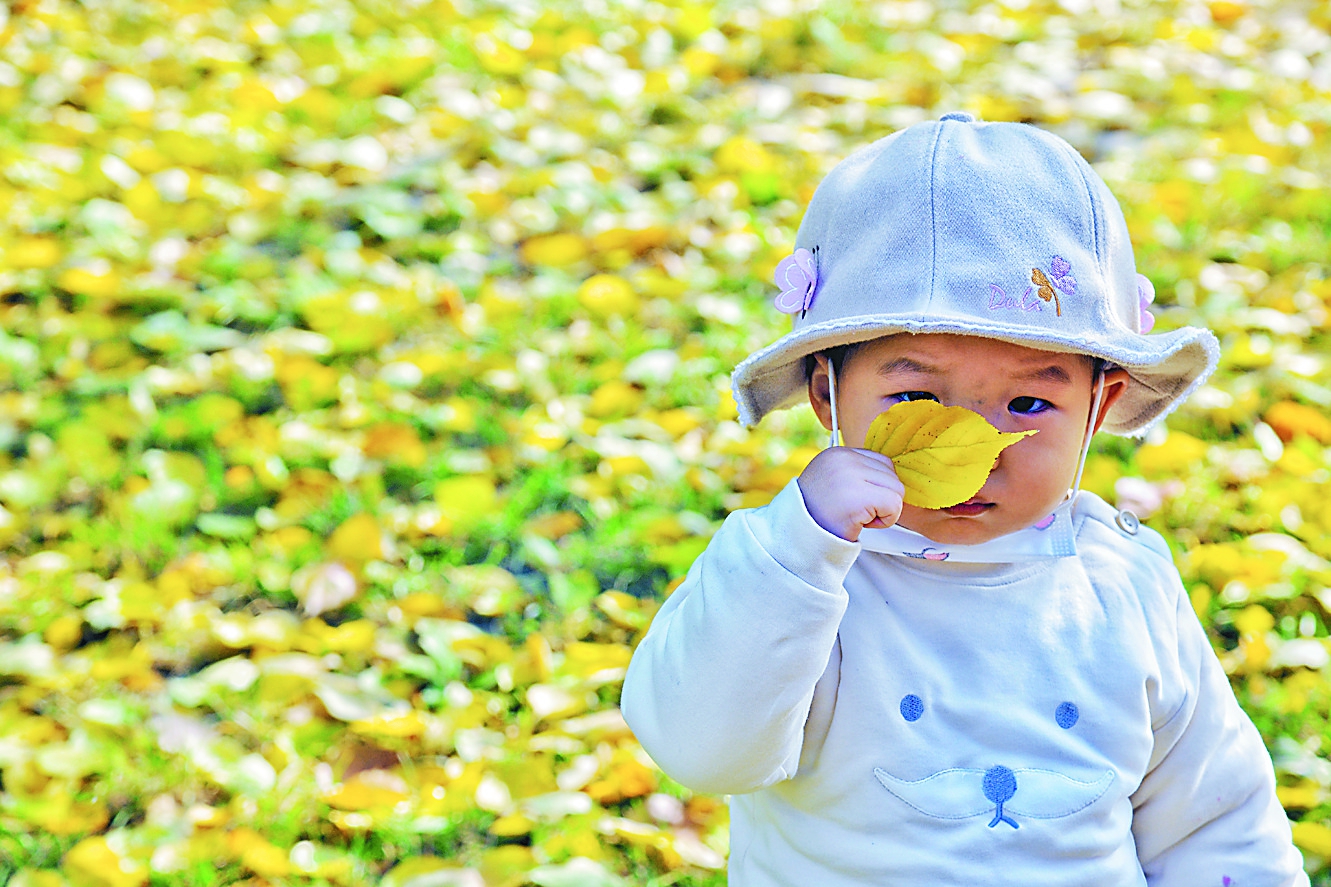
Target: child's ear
x=820 y=391
x=1116 y=382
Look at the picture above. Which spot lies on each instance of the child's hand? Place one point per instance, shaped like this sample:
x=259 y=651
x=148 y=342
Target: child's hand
x=847 y=490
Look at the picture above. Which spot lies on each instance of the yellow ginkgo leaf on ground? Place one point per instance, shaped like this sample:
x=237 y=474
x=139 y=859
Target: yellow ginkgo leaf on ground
x=391 y=725
x=260 y=855
x=1314 y=837
x=607 y=294
x=1291 y=420
x=94 y=862
x=466 y=499
x=37 y=878
x=356 y=540
x=557 y=250
x=943 y=455
x=367 y=790
x=32 y=252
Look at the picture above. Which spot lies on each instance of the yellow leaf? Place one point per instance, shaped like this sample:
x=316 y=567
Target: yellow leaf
x=357 y=540
x=466 y=499
x=615 y=398
x=37 y=878
x=699 y=62
x=1254 y=620
x=64 y=632
x=391 y=726
x=511 y=826
x=740 y=155
x=584 y=659
x=943 y=455
x=497 y=57
x=1313 y=837
x=680 y=421
x=1291 y=420
x=92 y=861
x=355 y=636
x=266 y=860
x=306 y=383
x=59 y=814
x=625 y=610
x=99 y=281
x=395 y=442
x=369 y=789
x=1176 y=199
x=1223 y=12
x=555 y=250
x=555 y=525
x=608 y=294
x=627 y=777
x=33 y=252
x=506 y=864
x=257 y=854
x=692 y=20
x=1306 y=795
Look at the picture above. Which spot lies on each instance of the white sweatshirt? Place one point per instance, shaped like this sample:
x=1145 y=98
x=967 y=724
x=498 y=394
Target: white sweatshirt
x=881 y=720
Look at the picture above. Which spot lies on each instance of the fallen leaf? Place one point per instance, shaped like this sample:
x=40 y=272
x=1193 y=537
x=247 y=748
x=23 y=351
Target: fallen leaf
x=1313 y=837
x=1291 y=420
x=93 y=862
x=943 y=455
x=369 y=790
x=357 y=540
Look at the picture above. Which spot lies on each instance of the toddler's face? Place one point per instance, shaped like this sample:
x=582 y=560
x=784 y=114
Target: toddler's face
x=1014 y=387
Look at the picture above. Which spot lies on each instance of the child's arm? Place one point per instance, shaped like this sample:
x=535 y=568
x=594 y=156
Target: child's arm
x=1206 y=811
x=719 y=689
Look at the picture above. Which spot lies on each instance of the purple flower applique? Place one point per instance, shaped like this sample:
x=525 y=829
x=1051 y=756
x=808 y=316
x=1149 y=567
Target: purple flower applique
x=1060 y=275
x=1145 y=296
x=797 y=275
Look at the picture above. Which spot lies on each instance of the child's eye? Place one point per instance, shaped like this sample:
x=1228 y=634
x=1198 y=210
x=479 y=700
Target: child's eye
x=908 y=396
x=1028 y=406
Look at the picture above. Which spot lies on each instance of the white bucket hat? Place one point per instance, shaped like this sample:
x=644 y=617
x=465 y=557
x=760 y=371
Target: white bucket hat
x=998 y=230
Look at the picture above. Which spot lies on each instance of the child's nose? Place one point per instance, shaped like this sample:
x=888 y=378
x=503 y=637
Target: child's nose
x=995 y=414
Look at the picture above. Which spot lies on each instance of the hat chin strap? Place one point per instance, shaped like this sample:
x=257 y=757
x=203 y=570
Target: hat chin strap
x=831 y=393
x=1090 y=430
x=1085 y=444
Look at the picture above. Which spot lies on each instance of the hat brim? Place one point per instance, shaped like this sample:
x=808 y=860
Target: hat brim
x=1164 y=368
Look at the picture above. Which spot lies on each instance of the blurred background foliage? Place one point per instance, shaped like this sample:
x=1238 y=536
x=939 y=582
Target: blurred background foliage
x=363 y=388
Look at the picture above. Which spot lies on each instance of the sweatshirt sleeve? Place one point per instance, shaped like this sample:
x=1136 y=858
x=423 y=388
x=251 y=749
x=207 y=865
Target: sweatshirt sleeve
x=719 y=689
x=1206 y=811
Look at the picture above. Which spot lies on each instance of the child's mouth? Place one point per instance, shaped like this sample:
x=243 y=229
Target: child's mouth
x=970 y=508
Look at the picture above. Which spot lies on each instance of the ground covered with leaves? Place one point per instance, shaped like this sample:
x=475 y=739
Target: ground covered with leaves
x=363 y=389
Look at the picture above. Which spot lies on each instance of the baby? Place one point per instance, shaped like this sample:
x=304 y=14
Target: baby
x=1013 y=690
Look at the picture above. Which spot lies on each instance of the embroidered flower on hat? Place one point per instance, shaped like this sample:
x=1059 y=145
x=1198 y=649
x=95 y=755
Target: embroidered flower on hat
x=1061 y=272
x=797 y=275
x=1145 y=296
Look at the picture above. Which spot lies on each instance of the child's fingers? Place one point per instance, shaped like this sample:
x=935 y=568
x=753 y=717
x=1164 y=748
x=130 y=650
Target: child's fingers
x=882 y=504
x=848 y=489
x=882 y=509
x=881 y=473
